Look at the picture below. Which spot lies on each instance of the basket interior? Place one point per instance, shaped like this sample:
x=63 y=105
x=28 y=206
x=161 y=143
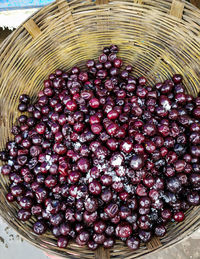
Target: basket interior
x=153 y=36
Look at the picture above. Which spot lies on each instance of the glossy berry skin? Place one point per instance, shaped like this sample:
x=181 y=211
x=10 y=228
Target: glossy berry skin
x=111 y=210
x=62 y=242
x=25 y=203
x=112 y=129
x=174 y=185
x=100 y=227
x=71 y=105
x=96 y=128
x=133 y=243
x=109 y=242
x=144 y=222
x=123 y=230
x=144 y=236
x=103 y=58
x=193 y=198
x=94 y=119
x=82 y=238
x=112 y=144
x=22 y=107
x=91 y=204
x=106 y=196
x=160 y=231
x=166 y=214
x=99 y=238
x=95 y=187
x=24 y=215
x=126 y=146
x=6 y=169
x=10 y=197
x=92 y=245
x=39 y=227
x=16 y=190
x=117 y=63
x=24 y=98
x=83 y=165
x=94 y=103
x=177 y=79
x=40 y=128
x=179 y=216
x=137 y=162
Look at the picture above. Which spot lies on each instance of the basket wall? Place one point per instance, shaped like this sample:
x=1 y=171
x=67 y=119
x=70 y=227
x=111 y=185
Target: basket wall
x=158 y=37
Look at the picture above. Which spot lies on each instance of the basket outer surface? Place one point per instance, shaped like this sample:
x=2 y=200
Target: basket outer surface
x=158 y=37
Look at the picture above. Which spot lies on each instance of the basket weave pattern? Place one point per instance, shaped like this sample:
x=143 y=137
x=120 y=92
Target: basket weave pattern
x=158 y=37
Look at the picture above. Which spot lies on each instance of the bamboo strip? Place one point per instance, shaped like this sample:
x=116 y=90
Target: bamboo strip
x=63 y=8
x=32 y=28
x=177 y=9
x=138 y=1
x=154 y=243
x=196 y=3
x=99 y=2
x=102 y=253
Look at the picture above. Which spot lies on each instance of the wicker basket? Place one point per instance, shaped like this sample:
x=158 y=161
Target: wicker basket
x=159 y=37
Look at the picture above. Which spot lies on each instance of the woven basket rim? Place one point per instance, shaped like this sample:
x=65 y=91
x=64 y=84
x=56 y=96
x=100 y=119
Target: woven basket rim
x=37 y=16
